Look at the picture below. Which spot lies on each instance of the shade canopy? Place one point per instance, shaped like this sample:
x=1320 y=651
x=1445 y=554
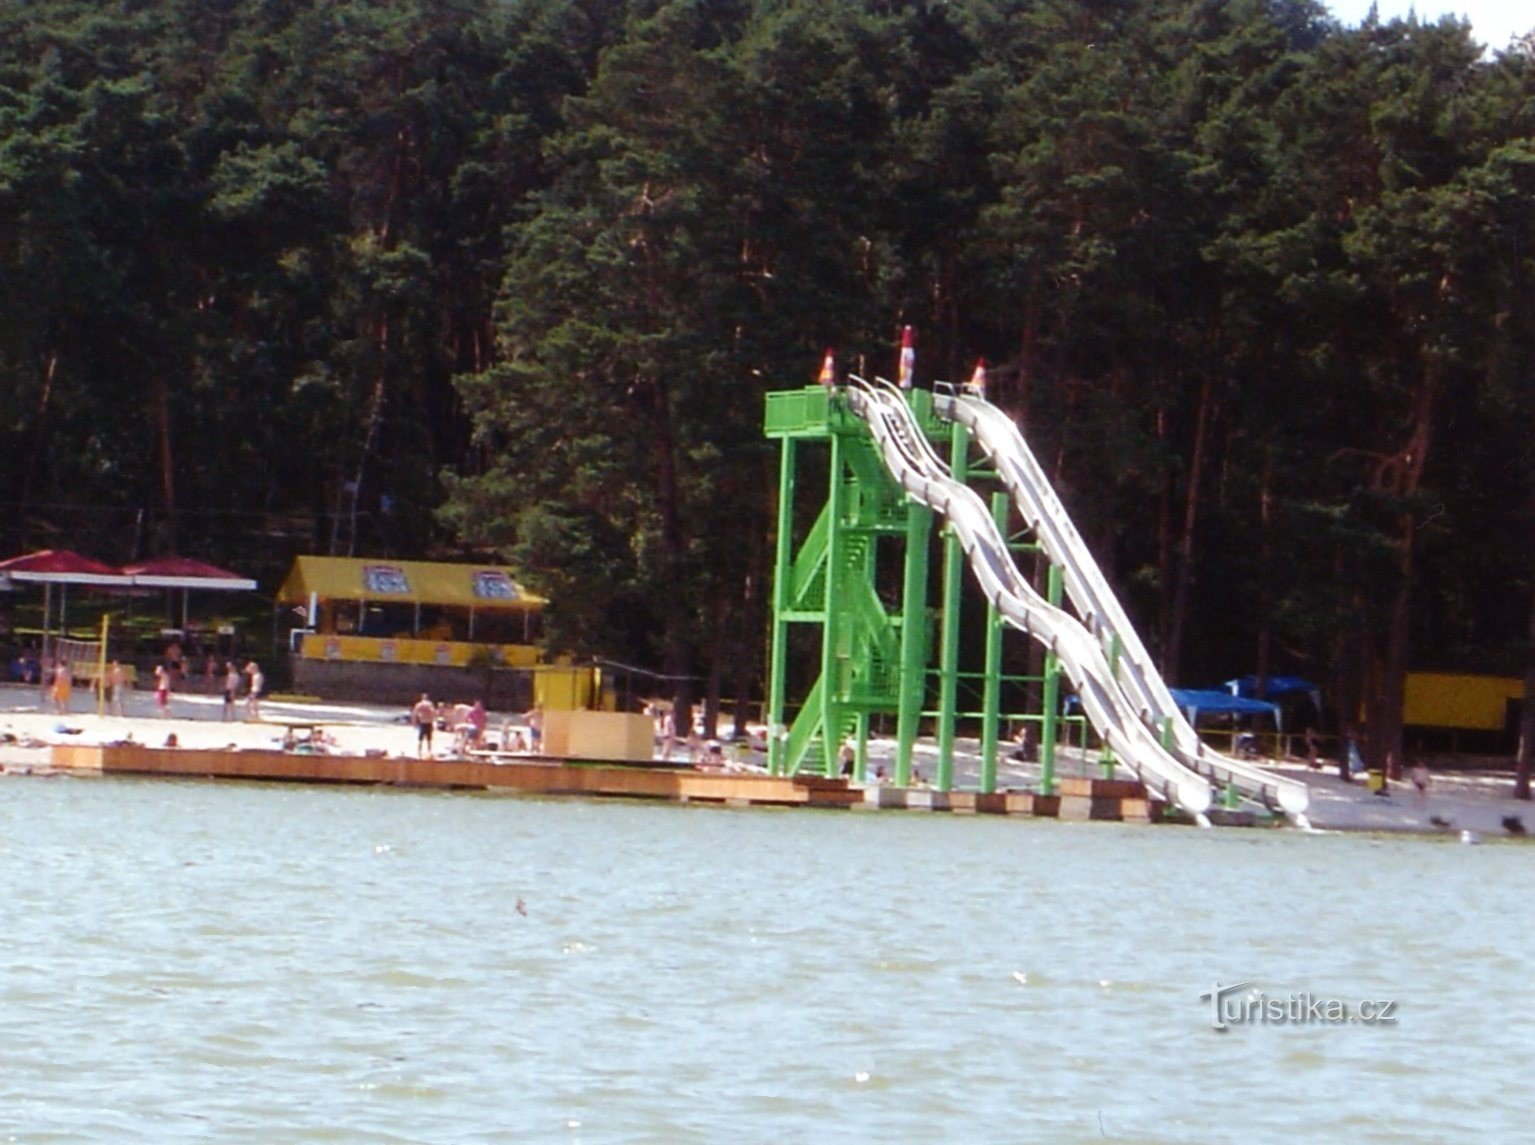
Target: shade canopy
x=406 y=582
x=184 y=572
x=1274 y=688
x=60 y=566
x=1195 y=702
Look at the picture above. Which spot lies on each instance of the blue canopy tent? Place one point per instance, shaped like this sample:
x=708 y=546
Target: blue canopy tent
x=1200 y=701
x=1276 y=688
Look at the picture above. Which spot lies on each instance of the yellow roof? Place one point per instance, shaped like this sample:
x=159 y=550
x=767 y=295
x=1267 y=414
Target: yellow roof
x=409 y=582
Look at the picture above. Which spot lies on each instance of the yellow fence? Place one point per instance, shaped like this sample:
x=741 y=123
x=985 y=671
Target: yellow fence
x=446 y=653
x=558 y=687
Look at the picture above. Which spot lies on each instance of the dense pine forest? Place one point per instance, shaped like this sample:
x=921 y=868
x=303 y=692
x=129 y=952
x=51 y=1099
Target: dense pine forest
x=511 y=277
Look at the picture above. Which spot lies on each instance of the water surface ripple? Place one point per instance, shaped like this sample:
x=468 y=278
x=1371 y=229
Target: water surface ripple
x=257 y=963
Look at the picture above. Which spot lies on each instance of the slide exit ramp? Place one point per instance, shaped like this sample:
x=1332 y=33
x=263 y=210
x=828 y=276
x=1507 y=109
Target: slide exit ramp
x=910 y=459
x=999 y=437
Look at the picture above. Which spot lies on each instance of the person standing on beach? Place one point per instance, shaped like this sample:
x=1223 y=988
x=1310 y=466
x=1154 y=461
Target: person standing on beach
x=162 y=690
x=117 y=683
x=1420 y=779
x=231 y=689
x=253 y=697
x=63 y=686
x=477 y=720
x=424 y=716
x=535 y=722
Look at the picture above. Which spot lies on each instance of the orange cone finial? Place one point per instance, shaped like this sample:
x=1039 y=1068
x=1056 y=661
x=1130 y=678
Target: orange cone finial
x=978 y=379
x=908 y=360
x=829 y=370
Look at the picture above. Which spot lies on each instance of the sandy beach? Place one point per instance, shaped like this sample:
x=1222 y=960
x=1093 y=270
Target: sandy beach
x=1457 y=801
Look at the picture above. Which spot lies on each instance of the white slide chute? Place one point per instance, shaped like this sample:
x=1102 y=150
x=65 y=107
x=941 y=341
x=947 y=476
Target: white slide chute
x=1089 y=591
x=910 y=459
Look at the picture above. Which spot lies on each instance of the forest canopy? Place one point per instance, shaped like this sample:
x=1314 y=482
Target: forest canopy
x=411 y=277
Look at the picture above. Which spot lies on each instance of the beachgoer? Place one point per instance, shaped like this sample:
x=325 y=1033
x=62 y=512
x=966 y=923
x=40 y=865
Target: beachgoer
x=231 y=689
x=63 y=686
x=668 y=734
x=162 y=690
x=1420 y=778
x=1023 y=742
x=476 y=720
x=117 y=685
x=424 y=716
x=535 y=722
x=210 y=671
x=253 y=697
x=848 y=756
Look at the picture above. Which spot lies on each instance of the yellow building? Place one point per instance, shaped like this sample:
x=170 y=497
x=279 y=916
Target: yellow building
x=418 y=614
x=1460 y=701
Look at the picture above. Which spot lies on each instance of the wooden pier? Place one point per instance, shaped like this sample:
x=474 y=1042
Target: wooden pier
x=1078 y=799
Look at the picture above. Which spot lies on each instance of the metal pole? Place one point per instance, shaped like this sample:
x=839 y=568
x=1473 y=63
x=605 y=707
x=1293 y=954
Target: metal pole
x=953 y=574
x=991 y=702
x=778 y=653
x=919 y=522
x=1106 y=760
x=833 y=658
x=1051 y=698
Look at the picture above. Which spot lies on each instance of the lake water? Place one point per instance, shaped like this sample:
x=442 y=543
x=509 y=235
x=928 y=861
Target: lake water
x=193 y=962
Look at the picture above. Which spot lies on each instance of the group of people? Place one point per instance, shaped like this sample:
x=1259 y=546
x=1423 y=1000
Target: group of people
x=468 y=724
x=117 y=681
x=230 y=678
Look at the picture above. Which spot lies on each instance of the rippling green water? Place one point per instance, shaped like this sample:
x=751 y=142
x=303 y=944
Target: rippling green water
x=189 y=962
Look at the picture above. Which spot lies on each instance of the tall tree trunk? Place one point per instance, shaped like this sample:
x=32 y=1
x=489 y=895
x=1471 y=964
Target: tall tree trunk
x=1401 y=475
x=39 y=445
x=1165 y=575
x=675 y=649
x=1173 y=653
x=162 y=400
x=1265 y=560
x=1527 y=712
x=748 y=624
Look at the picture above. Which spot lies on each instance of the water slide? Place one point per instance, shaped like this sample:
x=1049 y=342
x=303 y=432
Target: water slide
x=910 y=459
x=1089 y=591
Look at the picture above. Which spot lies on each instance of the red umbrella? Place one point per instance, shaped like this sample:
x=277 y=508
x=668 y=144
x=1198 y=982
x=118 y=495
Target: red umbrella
x=60 y=567
x=184 y=572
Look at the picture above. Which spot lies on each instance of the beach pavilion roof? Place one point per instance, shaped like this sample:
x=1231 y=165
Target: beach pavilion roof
x=481 y=587
x=184 y=572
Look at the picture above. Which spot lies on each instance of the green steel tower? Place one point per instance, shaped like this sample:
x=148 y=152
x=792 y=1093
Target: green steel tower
x=874 y=653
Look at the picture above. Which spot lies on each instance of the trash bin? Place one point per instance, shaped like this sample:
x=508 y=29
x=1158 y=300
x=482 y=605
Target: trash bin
x=1376 y=780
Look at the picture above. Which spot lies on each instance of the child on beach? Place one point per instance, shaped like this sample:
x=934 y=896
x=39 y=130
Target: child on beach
x=162 y=690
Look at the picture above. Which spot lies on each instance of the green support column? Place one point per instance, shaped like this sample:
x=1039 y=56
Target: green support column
x=1106 y=760
x=1051 y=700
x=991 y=697
x=777 y=666
x=831 y=635
x=919 y=523
x=953 y=582
x=861 y=759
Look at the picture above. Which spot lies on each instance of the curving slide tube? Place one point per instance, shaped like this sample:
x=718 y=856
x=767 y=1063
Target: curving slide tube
x=910 y=459
x=1089 y=591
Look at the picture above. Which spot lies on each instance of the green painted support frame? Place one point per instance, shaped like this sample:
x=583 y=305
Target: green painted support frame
x=873 y=660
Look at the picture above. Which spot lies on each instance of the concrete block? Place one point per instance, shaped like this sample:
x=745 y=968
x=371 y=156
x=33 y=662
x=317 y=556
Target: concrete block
x=926 y=799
